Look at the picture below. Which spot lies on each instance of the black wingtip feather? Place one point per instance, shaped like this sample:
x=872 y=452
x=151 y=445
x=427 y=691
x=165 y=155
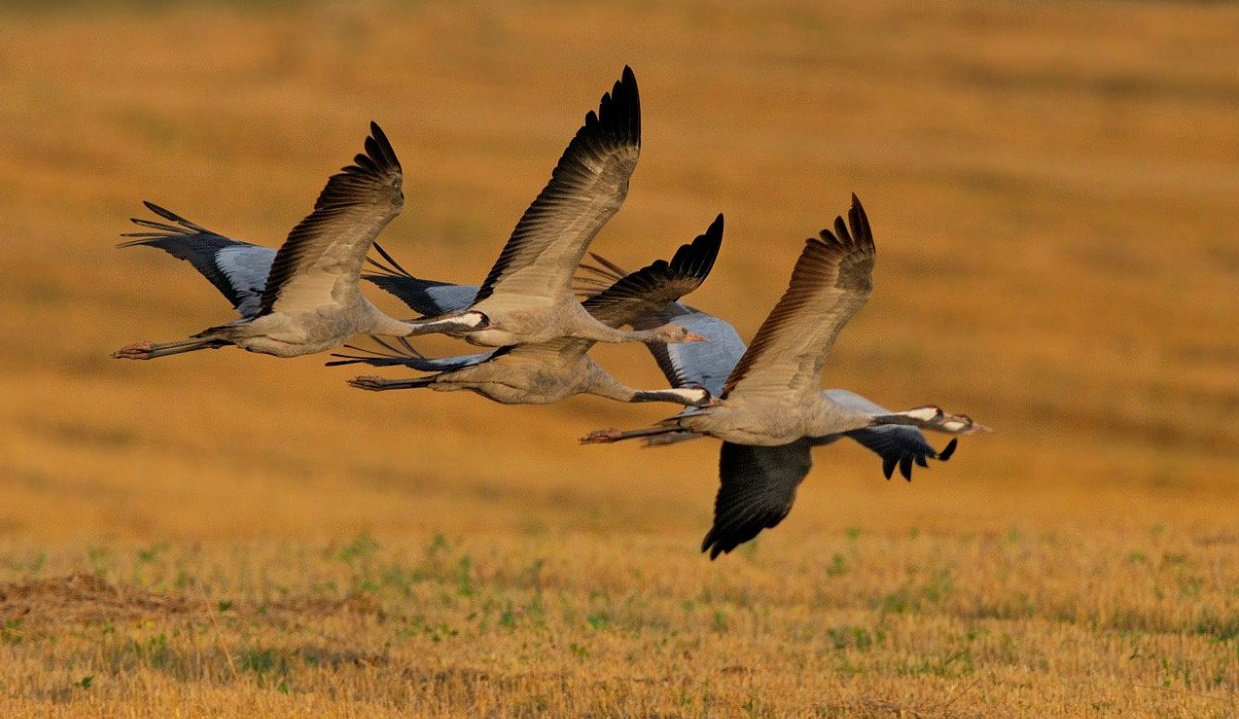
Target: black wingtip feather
x=379 y=156
x=949 y=450
x=617 y=123
x=697 y=258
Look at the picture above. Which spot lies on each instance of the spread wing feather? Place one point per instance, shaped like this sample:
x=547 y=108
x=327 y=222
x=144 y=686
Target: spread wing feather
x=586 y=189
x=651 y=288
x=830 y=283
x=237 y=269
x=324 y=253
x=758 y=486
x=429 y=298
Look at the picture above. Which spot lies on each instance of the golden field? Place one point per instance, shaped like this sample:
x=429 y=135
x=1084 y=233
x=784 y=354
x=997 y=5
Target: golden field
x=1053 y=189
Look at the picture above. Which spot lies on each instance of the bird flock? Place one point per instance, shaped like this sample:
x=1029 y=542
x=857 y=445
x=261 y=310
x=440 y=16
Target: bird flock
x=764 y=401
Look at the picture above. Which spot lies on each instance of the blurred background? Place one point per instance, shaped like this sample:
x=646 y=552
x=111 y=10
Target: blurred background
x=1053 y=189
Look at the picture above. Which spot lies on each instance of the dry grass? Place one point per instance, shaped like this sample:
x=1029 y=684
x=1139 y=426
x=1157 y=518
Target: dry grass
x=1053 y=190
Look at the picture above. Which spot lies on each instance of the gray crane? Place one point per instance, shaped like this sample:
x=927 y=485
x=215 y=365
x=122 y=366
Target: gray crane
x=545 y=372
x=759 y=481
x=310 y=301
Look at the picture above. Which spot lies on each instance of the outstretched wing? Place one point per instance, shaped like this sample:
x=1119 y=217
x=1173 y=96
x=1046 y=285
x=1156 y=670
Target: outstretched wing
x=651 y=288
x=586 y=189
x=237 y=269
x=758 y=486
x=429 y=298
x=830 y=283
x=638 y=294
x=324 y=252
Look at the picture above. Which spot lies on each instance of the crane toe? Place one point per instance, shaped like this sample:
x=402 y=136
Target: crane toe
x=135 y=351
x=602 y=436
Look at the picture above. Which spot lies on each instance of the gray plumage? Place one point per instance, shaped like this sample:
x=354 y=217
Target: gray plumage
x=539 y=373
x=772 y=387
x=310 y=300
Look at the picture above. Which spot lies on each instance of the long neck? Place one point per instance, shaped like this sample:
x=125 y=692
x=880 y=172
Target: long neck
x=381 y=324
x=601 y=383
x=598 y=332
x=924 y=417
x=932 y=418
x=604 y=385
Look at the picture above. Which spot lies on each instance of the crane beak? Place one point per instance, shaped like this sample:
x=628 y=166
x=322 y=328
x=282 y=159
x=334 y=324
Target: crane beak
x=694 y=337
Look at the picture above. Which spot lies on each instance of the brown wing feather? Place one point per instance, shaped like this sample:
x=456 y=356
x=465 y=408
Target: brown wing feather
x=651 y=288
x=644 y=292
x=831 y=282
x=330 y=244
x=586 y=189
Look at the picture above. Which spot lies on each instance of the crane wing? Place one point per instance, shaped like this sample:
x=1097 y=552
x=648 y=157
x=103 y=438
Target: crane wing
x=323 y=254
x=428 y=298
x=830 y=283
x=639 y=294
x=586 y=189
x=756 y=491
x=704 y=364
x=237 y=269
x=651 y=288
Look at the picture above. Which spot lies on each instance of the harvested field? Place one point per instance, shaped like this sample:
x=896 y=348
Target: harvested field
x=1053 y=193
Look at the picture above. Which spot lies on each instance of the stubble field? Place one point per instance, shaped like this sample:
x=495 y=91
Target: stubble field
x=1053 y=193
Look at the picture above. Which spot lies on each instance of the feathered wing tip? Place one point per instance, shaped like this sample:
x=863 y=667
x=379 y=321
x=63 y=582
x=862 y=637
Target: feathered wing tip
x=180 y=226
x=840 y=259
x=371 y=188
x=617 y=121
x=905 y=462
x=396 y=351
x=627 y=102
x=757 y=487
x=696 y=259
x=605 y=148
x=175 y=228
x=648 y=290
x=379 y=161
x=591 y=279
x=379 y=155
x=392 y=268
x=849 y=236
x=859 y=221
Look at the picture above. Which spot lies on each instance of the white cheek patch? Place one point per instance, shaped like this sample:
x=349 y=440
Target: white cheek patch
x=925 y=414
x=691 y=395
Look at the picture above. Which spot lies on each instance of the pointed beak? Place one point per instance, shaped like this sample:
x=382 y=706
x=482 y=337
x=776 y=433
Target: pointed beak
x=694 y=337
